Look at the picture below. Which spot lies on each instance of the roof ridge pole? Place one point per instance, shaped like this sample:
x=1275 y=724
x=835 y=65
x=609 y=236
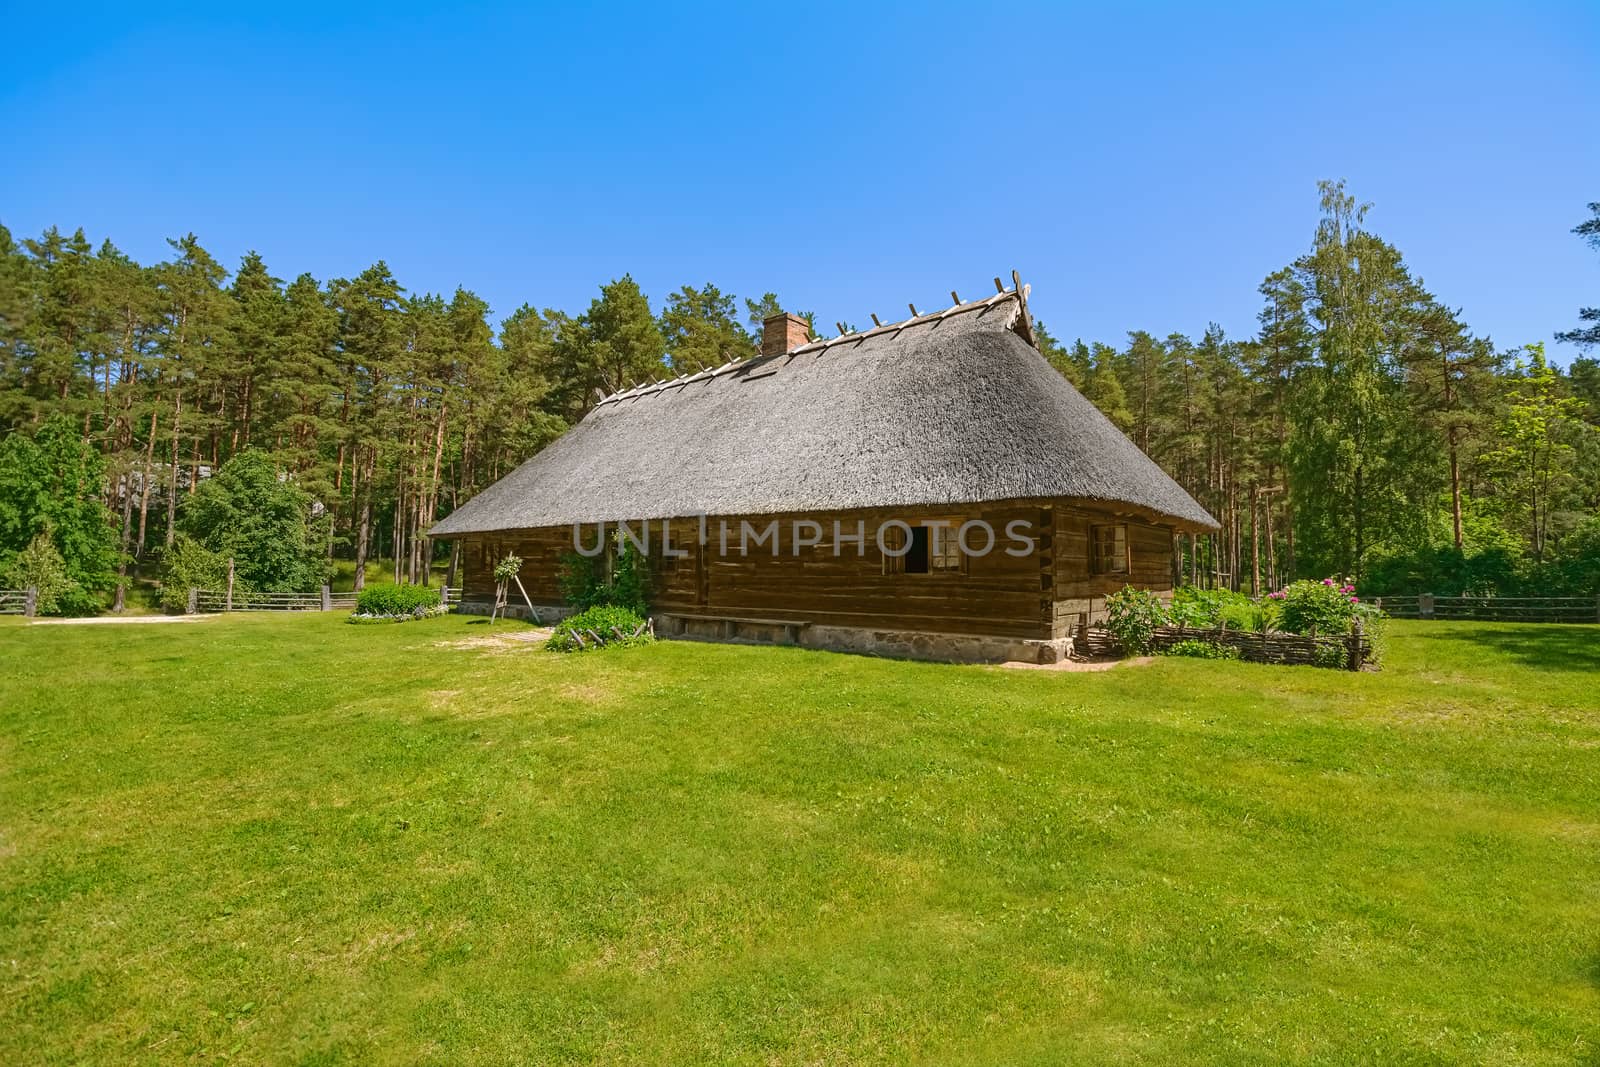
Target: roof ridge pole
x=1024 y=323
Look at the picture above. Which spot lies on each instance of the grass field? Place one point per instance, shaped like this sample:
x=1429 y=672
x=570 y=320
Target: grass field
x=285 y=839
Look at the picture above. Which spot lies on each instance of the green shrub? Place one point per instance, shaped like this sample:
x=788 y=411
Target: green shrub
x=581 y=581
x=605 y=620
x=1197 y=649
x=397 y=600
x=248 y=510
x=585 y=584
x=190 y=565
x=1252 y=616
x=1328 y=607
x=630 y=579
x=1330 y=655
x=39 y=566
x=1132 y=616
x=51 y=481
x=1192 y=606
x=1322 y=607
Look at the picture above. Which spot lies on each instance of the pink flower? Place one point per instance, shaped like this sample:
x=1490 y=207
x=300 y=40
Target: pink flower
x=1327 y=581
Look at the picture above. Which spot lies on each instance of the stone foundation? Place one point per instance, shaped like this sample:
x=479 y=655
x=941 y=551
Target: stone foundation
x=896 y=644
x=548 y=613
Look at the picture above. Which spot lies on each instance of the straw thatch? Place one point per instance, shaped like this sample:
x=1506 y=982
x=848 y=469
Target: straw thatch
x=951 y=408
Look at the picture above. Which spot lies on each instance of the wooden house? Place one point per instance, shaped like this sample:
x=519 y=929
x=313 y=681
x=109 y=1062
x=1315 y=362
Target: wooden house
x=905 y=442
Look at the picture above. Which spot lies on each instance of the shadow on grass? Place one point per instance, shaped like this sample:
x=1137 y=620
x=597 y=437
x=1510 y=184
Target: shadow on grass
x=1546 y=646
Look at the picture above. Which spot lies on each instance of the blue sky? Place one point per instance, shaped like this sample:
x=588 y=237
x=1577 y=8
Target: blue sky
x=1143 y=167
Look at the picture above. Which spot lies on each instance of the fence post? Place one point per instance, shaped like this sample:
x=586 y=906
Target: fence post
x=228 y=604
x=30 y=601
x=194 y=601
x=444 y=596
x=1425 y=606
x=1355 y=644
x=327 y=599
x=1597 y=608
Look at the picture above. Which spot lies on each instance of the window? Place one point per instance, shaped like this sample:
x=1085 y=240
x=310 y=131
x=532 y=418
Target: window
x=1108 y=549
x=924 y=556
x=948 y=556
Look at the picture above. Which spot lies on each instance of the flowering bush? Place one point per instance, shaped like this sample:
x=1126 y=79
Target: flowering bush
x=1132 y=616
x=396 y=603
x=1325 y=607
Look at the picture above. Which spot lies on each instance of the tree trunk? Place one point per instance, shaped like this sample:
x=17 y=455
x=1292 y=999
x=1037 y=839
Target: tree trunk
x=127 y=528
x=1272 y=551
x=172 y=488
x=395 y=545
x=1455 y=488
x=363 y=494
x=1255 y=544
x=146 y=478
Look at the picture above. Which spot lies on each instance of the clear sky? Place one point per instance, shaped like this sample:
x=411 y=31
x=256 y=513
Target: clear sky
x=1142 y=166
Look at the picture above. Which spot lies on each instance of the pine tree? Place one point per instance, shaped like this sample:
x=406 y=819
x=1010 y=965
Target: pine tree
x=1587 y=335
x=1450 y=380
x=1144 y=374
x=371 y=338
x=253 y=342
x=55 y=369
x=699 y=329
x=300 y=388
x=1105 y=390
x=1057 y=354
x=194 y=314
x=616 y=344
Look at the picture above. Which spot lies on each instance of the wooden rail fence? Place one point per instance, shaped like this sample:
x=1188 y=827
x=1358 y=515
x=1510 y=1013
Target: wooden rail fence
x=213 y=601
x=1351 y=652
x=19 y=601
x=1492 y=608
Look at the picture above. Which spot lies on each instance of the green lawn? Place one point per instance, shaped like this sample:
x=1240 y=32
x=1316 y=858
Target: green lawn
x=285 y=839
x=379 y=572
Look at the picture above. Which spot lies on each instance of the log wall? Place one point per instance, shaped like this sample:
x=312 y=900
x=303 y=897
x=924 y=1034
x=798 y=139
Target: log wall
x=1047 y=593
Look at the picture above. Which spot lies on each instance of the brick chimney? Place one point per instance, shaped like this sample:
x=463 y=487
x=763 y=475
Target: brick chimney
x=782 y=333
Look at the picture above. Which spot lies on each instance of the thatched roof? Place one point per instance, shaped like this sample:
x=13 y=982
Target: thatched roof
x=955 y=407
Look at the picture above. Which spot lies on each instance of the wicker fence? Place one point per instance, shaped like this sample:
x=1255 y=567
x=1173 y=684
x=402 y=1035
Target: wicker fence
x=211 y=601
x=1493 y=608
x=1351 y=652
x=18 y=601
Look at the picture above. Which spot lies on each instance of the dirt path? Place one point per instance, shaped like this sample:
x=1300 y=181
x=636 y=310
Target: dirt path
x=119 y=620
x=1080 y=665
x=511 y=639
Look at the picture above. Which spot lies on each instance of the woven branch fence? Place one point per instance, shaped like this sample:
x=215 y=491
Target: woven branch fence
x=1351 y=652
x=1493 y=608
